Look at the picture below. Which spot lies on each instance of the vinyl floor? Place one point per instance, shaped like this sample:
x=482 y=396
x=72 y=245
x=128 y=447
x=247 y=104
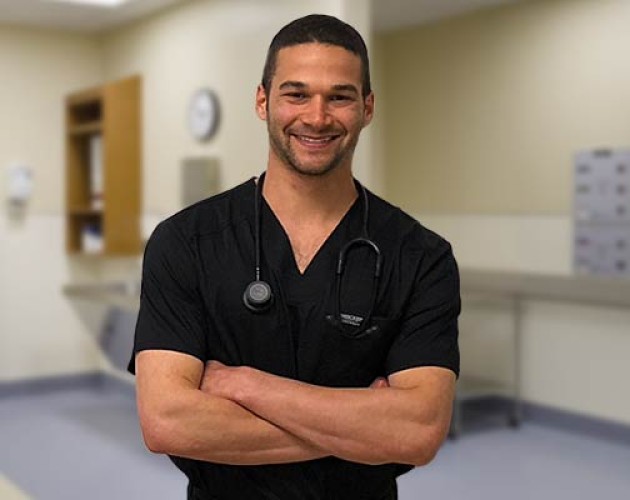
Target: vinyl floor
x=85 y=444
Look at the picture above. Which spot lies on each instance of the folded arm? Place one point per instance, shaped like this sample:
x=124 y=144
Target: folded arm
x=405 y=422
x=177 y=418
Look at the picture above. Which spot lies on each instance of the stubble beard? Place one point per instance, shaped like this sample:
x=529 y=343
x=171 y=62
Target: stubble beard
x=285 y=152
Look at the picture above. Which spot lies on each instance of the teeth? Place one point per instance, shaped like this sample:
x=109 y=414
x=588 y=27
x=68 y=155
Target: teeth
x=315 y=140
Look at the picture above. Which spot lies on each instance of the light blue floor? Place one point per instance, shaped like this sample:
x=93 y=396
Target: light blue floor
x=80 y=445
x=83 y=444
x=530 y=463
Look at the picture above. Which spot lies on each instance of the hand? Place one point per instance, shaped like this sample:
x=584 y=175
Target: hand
x=220 y=380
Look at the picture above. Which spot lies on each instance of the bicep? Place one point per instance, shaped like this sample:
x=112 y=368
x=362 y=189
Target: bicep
x=431 y=387
x=427 y=394
x=161 y=376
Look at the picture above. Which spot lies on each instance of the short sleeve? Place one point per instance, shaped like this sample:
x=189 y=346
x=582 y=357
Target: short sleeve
x=171 y=310
x=429 y=327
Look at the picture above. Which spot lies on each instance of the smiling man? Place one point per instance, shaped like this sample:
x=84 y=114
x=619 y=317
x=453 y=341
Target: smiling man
x=319 y=118
x=297 y=335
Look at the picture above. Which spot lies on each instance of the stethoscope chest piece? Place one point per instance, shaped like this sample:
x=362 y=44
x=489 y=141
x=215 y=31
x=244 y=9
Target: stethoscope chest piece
x=257 y=296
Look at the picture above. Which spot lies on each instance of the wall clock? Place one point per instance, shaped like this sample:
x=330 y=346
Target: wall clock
x=203 y=114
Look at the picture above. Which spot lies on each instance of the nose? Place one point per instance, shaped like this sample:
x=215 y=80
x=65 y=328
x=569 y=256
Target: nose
x=316 y=113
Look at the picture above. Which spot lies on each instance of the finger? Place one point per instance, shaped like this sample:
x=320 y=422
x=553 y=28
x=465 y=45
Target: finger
x=379 y=383
x=213 y=364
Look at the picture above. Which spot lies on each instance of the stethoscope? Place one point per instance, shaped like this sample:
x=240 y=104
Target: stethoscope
x=258 y=296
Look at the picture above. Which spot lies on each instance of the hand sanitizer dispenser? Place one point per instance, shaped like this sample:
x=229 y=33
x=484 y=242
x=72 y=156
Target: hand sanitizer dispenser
x=20 y=185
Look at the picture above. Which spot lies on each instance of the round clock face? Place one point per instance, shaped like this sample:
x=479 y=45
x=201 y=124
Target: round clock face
x=203 y=114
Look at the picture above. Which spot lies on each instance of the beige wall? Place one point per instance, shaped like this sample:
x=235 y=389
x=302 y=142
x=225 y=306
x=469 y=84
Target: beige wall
x=482 y=116
x=485 y=111
x=40 y=333
x=218 y=43
x=568 y=348
x=38 y=69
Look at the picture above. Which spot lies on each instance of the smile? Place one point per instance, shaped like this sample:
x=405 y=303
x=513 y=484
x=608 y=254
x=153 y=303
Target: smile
x=315 y=141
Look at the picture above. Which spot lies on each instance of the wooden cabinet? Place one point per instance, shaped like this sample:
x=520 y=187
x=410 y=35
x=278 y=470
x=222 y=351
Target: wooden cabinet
x=103 y=169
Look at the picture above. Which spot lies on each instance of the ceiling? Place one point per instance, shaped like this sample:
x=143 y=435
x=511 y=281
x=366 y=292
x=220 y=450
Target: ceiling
x=74 y=17
x=387 y=14
x=393 y=14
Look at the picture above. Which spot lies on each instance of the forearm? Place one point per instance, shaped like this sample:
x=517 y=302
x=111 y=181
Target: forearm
x=178 y=418
x=209 y=428
x=362 y=425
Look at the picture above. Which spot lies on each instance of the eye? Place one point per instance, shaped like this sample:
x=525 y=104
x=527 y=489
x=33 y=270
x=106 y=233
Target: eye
x=341 y=98
x=295 y=96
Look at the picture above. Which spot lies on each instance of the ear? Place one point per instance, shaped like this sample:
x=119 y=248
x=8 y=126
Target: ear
x=368 y=109
x=261 y=102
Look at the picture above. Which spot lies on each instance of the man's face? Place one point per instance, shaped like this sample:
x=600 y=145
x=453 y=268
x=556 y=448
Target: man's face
x=314 y=108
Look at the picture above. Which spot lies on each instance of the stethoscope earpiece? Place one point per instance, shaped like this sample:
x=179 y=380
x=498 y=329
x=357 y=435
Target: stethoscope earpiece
x=257 y=296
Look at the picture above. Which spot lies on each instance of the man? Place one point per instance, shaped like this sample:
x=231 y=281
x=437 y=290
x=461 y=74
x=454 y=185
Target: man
x=333 y=371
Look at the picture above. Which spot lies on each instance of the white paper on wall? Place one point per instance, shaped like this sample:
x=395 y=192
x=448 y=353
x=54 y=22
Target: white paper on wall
x=96 y=171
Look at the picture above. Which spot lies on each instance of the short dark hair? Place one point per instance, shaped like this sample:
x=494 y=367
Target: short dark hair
x=318 y=28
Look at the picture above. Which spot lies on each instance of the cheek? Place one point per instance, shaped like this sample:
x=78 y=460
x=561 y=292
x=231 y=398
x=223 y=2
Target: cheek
x=354 y=123
x=352 y=119
x=281 y=116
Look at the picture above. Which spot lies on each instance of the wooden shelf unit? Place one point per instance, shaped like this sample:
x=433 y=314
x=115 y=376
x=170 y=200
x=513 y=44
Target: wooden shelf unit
x=113 y=112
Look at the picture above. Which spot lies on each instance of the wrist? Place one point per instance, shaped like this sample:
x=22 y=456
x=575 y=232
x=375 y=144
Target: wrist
x=244 y=385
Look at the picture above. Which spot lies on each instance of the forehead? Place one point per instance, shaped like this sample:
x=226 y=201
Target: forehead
x=317 y=63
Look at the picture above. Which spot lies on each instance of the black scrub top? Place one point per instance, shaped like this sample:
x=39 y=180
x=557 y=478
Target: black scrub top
x=196 y=267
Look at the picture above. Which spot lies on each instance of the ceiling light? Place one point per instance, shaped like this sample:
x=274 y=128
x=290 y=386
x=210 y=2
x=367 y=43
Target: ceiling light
x=95 y=3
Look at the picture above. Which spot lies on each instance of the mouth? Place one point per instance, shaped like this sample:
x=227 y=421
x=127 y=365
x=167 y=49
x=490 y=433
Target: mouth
x=312 y=141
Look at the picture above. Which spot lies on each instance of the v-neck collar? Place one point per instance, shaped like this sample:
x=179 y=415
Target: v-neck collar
x=280 y=244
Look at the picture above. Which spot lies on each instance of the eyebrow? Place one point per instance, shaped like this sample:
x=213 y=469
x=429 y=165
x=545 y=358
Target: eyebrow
x=289 y=83
x=346 y=88
x=301 y=85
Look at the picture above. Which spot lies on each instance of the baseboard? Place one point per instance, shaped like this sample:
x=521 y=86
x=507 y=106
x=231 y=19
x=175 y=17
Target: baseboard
x=111 y=383
x=577 y=423
x=538 y=414
x=80 y=381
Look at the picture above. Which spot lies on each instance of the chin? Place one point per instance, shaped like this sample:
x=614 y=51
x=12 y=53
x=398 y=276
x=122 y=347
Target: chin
x=316 y=169
x=313 y=171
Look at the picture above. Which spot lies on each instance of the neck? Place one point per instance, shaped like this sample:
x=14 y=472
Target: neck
x=305 y=199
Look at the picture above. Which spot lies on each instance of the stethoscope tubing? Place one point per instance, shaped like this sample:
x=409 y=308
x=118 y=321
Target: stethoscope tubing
x=258 y=295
